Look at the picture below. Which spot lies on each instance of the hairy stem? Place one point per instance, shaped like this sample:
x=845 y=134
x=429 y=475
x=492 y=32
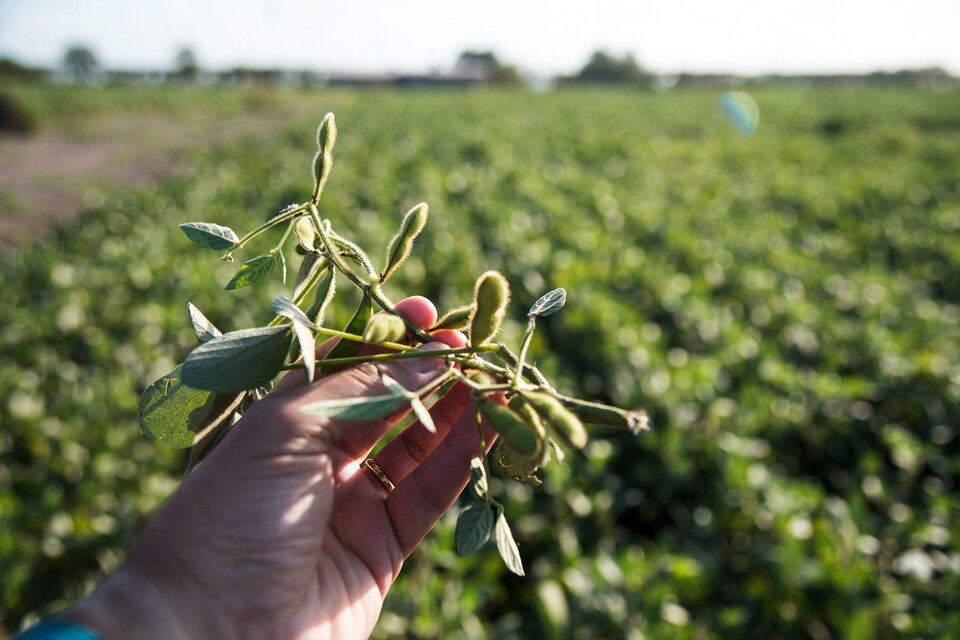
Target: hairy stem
x=403 y=355
x=272 y=222
x=527 y=337
x=332 y=254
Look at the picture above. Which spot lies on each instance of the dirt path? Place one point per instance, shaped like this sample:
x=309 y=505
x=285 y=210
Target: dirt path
x=52 y=177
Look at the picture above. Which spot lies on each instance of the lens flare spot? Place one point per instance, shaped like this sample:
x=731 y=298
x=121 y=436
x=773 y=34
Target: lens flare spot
x=742 y=110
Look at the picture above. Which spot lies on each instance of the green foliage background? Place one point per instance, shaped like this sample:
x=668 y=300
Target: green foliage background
x=785 y=304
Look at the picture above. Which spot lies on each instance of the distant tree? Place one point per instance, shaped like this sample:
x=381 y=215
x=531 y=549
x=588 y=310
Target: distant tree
x=185 y=67
x=80 y=64
x=486 y=66
x=603 y=68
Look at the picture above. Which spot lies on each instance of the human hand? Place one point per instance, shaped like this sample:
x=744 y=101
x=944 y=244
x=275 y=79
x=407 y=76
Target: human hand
x=281 y=532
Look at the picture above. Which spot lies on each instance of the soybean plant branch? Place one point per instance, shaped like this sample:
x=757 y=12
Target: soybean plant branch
x=272 y=222
x=403 y=355
x=331 y=251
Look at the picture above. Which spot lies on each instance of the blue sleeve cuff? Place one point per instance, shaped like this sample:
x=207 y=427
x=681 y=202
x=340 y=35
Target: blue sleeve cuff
x=58 y=630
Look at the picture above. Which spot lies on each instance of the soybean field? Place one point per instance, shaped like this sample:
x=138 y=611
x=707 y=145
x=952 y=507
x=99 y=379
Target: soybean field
x=785 y=304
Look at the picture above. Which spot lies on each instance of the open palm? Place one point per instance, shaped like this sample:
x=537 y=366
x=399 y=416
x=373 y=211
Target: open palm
x=282 y=533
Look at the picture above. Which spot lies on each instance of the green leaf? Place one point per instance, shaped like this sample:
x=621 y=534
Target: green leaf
x=549 y=303
x=281 y=265
x=238 y=360
x=349 y=348
x=324 y=293
x=308 y=348
x=395 y=387
x=507 y=546
x=252 y=271
x=284 y=306
x=423 y=414
x=478 y=477
x=176 y=415
x=209 y=235
x=474 y=526
x=201 y=326
x=364 y=408
x=309 y=266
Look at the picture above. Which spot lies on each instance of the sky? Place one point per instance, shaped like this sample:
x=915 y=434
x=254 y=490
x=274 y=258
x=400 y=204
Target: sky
x=542 y=38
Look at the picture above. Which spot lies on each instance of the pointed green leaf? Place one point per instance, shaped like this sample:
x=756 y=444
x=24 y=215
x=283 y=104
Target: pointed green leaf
x=323 y=295
x=549 y=303
x=309 y=266
x=478 y=477
x=364 y=408
x=395 y=387
x=348 y=348
x=308 y=348
x=474 y=526
x=178 y=416
x=238 y=360
x=423 y=414
x=209 y=235
x=284 y=306
x=281 y=265
x=201 y=326
x=252 y=271
x=507 y=546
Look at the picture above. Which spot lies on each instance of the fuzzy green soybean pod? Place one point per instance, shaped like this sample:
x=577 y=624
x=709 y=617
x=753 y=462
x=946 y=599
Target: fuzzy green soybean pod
x=456 y=318
x=401 y=244
x=512 y=461
x=384 y=327
x=323 y=160
x=511 y=426
x=490 y=297
x=563 y=421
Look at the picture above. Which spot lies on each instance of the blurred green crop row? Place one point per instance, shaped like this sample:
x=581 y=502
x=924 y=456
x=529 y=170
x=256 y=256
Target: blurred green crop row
x=784 y=304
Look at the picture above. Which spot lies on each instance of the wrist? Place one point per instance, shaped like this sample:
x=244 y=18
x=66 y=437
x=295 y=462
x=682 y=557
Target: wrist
x=146 y=603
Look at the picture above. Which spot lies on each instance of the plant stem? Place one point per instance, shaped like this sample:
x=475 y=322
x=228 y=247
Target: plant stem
x=359 y=253
x=403 y=355
x=310 y=283
x=332 y=255
x=283 y=217
x=482 y=445
x=527 y=337
x=509 y=357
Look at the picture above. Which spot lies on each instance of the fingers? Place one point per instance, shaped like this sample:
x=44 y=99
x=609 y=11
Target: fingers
x=409 y=449
x=426 y=493
x=363 y=380
x=360 y=438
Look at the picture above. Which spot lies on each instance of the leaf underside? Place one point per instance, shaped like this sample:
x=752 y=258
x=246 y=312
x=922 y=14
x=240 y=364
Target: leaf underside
x=210 y=236
x=549 y=303
x=364 y=408
x=172 y=413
